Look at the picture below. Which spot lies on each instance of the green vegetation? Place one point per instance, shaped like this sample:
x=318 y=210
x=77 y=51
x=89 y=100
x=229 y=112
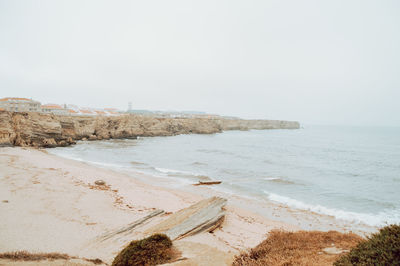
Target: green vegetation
x=382 y=248
x=153 y=250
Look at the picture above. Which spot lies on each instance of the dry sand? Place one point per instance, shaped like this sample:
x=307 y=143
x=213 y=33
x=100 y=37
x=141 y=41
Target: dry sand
x=50 y=204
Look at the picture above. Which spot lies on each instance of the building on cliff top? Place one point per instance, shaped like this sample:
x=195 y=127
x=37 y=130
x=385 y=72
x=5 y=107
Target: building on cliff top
x=72 y=112
x=13 y=104
x=54 y=109
x=86 y=112
x=98 y=112
x=112 y=111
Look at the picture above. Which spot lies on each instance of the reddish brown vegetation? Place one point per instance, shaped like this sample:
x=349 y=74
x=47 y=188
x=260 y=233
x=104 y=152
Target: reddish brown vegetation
x=297 y=248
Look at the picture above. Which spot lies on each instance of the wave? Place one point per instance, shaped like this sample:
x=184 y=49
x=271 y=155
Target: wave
x=203 y=177
x=279 y=180
x=109 y=165
x=214 y=151
x=271 y=178
x=199 y=163
x=70 y=157
x=167 y=180
x=170 y=171
x=380 y=219
x=174 y=173
x=137 y=163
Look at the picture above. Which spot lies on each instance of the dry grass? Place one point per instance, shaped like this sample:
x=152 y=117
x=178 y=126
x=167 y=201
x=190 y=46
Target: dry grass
x=297 y=248
x=95 y=261
x=27 y=256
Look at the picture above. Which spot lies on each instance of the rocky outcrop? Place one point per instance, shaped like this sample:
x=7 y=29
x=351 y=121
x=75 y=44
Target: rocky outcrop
x=7 y=132
x=242 y=124
x=205 y=215
x=32 y=129
x=47 y=130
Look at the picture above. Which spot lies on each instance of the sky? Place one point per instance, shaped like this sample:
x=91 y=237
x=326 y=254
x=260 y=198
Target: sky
x=317 y=62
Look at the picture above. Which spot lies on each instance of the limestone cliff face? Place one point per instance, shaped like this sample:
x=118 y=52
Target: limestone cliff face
x=7 y=132
x=47 y=130
x=241 y=124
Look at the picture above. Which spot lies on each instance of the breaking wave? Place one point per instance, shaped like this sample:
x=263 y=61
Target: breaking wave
x=173 y=172
x=379 y=219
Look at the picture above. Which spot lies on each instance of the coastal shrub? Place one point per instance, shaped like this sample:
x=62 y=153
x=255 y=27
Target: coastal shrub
x=297 y=248
x=382 y=248
x=27 y=256
x=153 y=250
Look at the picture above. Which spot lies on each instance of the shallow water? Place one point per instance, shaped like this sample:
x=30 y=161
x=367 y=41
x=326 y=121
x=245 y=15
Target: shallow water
x=351 y=173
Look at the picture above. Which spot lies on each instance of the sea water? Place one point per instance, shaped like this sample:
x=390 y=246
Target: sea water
x=350 y=173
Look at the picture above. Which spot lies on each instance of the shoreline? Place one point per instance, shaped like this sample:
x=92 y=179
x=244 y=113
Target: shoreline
x=49 y=204
x=302 y=218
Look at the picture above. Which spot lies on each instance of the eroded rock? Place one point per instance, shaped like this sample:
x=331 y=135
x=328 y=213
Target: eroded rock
x=48 y=130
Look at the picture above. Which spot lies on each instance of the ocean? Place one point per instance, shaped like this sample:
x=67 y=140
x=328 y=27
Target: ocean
x=349 y=173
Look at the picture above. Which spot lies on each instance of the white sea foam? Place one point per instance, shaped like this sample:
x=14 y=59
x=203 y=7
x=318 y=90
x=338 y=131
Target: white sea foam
x=177 y=172
x=177 y=182
x=170 y=171
x=67 y=156
x=271 y=178
x=107 y=165
x=379 y=219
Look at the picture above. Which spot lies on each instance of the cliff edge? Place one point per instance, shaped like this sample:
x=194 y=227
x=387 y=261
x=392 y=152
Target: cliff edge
x=47 y=130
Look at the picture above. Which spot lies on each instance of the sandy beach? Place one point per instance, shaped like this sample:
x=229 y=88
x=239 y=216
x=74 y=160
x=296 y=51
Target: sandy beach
x=50 y=204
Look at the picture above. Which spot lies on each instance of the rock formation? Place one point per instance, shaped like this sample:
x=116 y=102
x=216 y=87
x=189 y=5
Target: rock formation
x=48 y=130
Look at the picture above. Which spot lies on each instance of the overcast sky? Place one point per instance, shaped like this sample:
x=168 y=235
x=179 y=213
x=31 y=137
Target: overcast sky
x=318 y=62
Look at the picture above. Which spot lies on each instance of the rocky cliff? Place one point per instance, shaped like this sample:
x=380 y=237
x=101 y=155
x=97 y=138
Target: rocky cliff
x=46 y=130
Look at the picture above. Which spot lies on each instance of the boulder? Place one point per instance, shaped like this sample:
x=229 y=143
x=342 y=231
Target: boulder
x=334 y=250
x=50 y=143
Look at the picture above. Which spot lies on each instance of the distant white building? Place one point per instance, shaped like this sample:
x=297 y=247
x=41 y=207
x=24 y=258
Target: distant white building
x=111 y=111
x=13 y=104
x=86 y=112
x=99 y=112
x=29 y=105
x=54 y=109
x=72 y=109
